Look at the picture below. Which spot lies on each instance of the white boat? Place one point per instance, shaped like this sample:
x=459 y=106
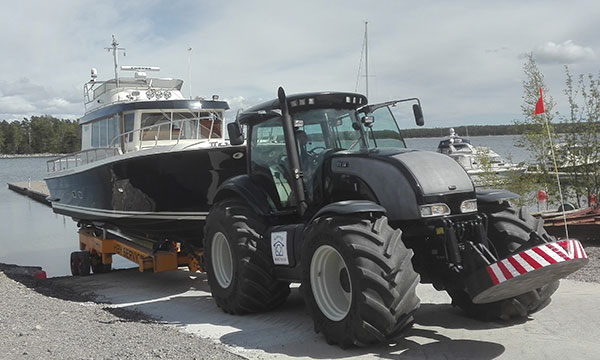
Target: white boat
x=476 y=160
x=151 y=160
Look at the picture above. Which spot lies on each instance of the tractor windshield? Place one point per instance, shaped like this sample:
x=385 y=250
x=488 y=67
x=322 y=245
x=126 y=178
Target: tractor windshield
x=342 y=129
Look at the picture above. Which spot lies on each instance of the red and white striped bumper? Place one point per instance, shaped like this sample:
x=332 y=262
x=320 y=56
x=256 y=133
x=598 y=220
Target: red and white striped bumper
x=527 y=270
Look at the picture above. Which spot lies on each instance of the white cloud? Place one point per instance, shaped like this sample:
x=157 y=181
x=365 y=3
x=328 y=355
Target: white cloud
x=566 y=53
x=15 y=104
x=459 y=57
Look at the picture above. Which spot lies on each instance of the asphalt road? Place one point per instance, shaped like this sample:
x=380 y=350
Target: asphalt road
x=568 y=328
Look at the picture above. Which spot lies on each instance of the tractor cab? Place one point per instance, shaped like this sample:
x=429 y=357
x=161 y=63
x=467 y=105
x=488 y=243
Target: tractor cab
x=322 y=124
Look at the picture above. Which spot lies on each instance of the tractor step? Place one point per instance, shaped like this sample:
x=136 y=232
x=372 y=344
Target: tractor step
x=526 y=271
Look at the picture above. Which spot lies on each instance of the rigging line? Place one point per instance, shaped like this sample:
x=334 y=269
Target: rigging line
x=557 y=177
x=362 y=52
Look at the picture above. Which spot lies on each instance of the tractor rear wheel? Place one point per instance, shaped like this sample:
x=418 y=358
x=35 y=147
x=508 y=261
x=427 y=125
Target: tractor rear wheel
x=238 y=261
x=510 y=231
x=358 y=280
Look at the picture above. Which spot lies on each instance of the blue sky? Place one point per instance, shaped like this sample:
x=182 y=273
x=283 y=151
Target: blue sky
x=463 y=59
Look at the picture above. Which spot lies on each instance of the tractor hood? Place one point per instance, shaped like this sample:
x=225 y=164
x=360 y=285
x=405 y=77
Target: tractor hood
x=401 y=179
x=435 y=173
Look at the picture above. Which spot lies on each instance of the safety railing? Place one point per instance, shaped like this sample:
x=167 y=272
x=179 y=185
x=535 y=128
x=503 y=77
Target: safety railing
x=80 y=158
x=172 y=132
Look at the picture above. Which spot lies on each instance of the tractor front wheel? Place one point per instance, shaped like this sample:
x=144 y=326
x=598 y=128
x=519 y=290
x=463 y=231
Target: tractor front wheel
x=510 y=231
x=358 y=281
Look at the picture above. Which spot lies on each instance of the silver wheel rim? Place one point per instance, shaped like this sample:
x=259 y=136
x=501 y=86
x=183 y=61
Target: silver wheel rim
x=327 y=268
x=222 y=260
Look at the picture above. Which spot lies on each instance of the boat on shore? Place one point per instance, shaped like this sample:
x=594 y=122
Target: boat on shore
x=150 y=160
x=476 y=160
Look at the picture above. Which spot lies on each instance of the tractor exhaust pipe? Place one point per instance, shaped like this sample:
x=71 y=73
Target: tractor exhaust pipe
x=292 y=151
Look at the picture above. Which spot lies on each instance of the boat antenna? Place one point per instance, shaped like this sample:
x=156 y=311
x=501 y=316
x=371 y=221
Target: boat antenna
x=366 y=60
x=115 y=49
x=190 y=69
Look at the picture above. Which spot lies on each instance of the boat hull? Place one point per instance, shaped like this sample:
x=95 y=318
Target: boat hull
x=161 y=195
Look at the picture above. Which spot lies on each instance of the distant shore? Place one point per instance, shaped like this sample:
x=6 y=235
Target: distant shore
x=42 y=155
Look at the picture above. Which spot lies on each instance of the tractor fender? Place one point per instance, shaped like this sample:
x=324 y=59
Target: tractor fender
x=494 y=196
x=349 y=207
x=242 y=186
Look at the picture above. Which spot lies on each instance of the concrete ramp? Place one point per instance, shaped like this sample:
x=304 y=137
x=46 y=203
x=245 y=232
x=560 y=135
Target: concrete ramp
x=567 y=328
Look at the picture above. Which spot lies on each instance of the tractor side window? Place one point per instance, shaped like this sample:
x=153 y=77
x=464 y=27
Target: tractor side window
x=268 y=161
x=385 y=129
x=347 y=136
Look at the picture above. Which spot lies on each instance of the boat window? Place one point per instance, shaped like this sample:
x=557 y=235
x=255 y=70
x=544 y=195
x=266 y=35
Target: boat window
x=86 y=136
x=113 y=130
x=96 y=134
x=128 y=125
x=156 y=126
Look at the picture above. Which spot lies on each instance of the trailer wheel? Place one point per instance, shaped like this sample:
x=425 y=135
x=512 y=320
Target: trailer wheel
x=510 y=231
x=80 y=263
x=238 y=260
x=97 y=266
x=358 y=280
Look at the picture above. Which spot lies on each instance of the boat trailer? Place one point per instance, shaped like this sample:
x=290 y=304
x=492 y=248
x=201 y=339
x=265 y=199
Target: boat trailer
x=98 y=245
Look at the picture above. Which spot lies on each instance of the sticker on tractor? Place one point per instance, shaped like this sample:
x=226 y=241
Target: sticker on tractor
x=279 y=248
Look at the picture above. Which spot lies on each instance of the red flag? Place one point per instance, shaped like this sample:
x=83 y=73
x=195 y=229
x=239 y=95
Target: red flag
x=539 y=106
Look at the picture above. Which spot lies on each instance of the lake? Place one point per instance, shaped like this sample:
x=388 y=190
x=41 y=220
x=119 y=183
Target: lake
x=33 y=235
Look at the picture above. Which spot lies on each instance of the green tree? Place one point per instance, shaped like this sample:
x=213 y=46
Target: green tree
x=535 y=133
x=578 y=157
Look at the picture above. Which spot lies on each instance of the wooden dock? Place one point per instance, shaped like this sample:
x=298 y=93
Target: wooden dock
x=37 y=190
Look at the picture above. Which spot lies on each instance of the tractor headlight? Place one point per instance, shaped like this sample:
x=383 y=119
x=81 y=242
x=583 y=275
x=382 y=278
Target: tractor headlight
x=468 y=206
x=430 y=210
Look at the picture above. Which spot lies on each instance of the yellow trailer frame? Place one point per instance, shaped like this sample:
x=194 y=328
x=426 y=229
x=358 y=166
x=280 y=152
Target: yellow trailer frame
x=106 y=244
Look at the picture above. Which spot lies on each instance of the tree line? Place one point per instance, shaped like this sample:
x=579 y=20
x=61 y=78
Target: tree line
x=40 y=134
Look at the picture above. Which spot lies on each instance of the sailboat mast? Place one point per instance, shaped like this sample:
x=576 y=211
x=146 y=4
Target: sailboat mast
x=366 y=60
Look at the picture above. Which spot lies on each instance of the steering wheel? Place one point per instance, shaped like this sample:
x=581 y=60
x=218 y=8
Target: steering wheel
x=313 y=152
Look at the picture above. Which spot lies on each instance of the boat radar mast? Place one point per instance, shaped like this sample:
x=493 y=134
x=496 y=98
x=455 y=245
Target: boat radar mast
x=115 y=49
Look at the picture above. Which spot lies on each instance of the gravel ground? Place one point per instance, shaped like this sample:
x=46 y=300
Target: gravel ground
x=590 y=272
x=41 y=321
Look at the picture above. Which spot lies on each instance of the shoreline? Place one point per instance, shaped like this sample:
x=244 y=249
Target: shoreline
x=19 y=156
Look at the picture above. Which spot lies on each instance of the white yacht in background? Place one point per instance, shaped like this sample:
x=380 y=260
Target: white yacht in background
x=476 y=160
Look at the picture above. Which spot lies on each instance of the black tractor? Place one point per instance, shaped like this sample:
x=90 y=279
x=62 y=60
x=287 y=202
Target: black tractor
x=334 y=200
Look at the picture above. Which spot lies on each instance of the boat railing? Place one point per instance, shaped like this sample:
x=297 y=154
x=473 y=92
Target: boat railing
x=171 y=132
x=148 y=137
x=80 y=158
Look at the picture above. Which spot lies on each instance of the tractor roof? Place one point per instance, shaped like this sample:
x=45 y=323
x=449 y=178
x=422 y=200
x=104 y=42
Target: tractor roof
x=304 y=101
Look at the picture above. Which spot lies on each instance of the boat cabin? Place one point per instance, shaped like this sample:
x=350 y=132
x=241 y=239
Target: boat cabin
x=124 y=115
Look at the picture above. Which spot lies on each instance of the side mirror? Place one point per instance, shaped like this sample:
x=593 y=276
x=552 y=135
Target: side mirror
x=235 y=133
x=367 y=120
x=418 y=115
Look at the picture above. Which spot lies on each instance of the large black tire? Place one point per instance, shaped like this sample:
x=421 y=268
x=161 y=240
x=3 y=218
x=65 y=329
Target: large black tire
x=80 y=263
x=358 y=280
x=238 y=260
x=509 y=231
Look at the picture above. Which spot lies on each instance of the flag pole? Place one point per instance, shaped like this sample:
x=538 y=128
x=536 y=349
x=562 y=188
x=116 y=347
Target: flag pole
x=539 y=109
